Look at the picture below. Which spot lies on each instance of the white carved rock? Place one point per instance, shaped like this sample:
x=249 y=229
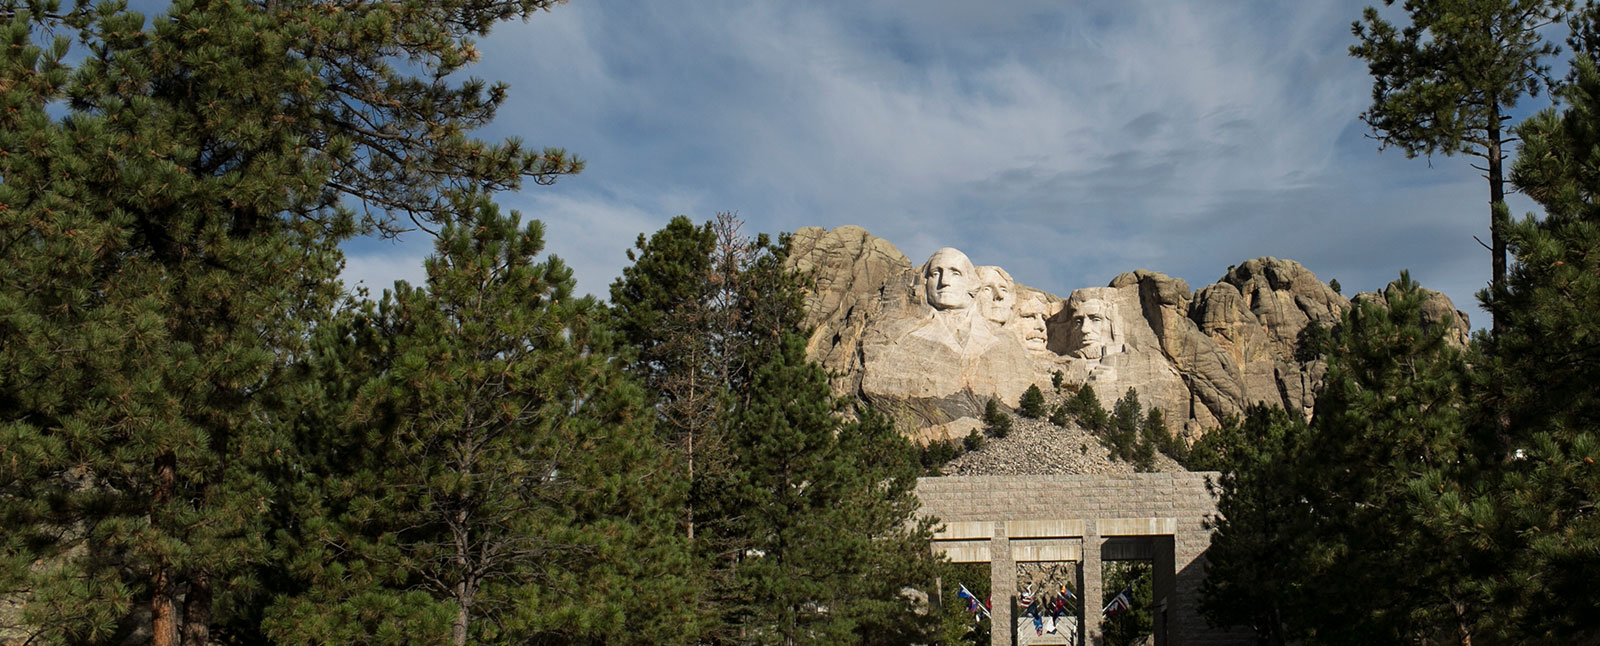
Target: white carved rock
x=931 y=344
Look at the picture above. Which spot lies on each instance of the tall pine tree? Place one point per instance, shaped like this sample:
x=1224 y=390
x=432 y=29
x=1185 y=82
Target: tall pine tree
x=1392 y=476
x=1255 y=566
x=174 y=193
x=499 y=483
x=1544 y=368
x=802 y=525
x=1444 y=83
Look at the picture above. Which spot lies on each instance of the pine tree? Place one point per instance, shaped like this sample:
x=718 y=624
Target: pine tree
x=1260 y=512
x=1061 y=414
x=174 y=194
x=995 y=422
x=1153 y=437
x=1444 y=83
x=1540 y=380
x=1122 y=433
x=1399 y=546
x=1137 y=623
x=1084 y=406
x=1032 y=404
x=669 y=308
x=803 y=530
x=500 y=483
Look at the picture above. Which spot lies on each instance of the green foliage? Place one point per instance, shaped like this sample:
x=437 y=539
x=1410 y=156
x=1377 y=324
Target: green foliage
x=1313 y=342
x=1377 y=518
x=1057 y=380
x=1394 y=468
x=1060 y=415
x=174 y=194
x=1260 y=511
x=661 y=304
x=1543 y=369
x=1085 y=408
x=823 y=511
x=957 y=626
x=798 y=517
x=458 y=508
x=1334 y=285
x=1154 y=433
x=973 y=441
x=1138 y=621
x=1444 y=83
x=1122 y=433
x=937 y=453
x=995 y=422
x=1032 y=404
x=1441 y=83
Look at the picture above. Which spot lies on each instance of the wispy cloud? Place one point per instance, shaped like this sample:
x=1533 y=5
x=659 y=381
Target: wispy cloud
x=377 y=266
x=1066 y=141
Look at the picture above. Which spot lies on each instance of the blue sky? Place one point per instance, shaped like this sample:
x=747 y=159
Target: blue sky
x=1066 y=142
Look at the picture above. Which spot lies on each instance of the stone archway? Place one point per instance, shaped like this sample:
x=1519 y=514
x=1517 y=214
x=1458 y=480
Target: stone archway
x=1004 y=520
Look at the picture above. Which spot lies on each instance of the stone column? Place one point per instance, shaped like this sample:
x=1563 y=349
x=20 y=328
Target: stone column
x=1163 y=583
x=1002 y=586
x=1091 y=585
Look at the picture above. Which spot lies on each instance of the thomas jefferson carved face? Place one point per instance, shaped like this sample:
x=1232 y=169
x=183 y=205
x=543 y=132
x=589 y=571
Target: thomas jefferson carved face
x=1031 y=328
x=951 y=280
x=995 y=300
x=1093 y=328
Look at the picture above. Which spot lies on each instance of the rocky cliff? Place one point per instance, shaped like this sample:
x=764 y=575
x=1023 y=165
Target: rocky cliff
x=930 y=344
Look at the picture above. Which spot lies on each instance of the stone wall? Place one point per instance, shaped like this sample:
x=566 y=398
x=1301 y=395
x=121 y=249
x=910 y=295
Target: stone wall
x=1072 y=517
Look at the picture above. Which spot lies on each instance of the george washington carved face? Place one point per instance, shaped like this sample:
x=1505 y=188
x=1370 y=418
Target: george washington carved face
x=951 y=280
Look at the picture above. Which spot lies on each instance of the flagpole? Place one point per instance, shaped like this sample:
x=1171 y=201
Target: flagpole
x=975 y=600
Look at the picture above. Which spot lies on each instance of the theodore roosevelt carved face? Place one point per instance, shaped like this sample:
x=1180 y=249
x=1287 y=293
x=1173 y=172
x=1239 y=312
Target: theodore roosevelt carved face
x=1031 y=328
x=950 y=279
x=995 y=300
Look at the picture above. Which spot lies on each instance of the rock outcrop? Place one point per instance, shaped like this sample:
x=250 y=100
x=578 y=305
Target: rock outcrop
x=932 y=344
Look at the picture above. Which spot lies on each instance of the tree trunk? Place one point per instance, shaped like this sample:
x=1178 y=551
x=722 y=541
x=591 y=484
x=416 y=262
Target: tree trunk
x=1497 y=223
x=466 y=587
x=458 y=632
x=689 y=507
x=163 y=605
x=197 y=611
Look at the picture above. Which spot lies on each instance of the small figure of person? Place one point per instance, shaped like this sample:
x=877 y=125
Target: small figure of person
x=1059 y=606
x=1033 y=606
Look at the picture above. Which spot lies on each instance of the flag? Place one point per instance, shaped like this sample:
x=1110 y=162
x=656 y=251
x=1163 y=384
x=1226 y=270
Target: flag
x=972 y=600
x=1119 y=603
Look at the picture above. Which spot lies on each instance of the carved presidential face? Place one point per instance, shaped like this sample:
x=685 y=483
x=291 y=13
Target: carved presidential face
x=1092 y=328
x=950 y=279
x=994 y=298
x=1030 y=324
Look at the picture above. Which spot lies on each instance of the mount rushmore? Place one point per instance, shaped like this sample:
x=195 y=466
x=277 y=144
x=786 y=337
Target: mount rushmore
x=930 y=345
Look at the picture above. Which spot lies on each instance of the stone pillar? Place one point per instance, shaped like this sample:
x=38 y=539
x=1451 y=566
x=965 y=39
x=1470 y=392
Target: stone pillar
x=1002 y=586
x=1163 y=582
x=1091 y=585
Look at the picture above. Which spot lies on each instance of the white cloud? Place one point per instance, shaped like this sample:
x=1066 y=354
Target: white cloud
x=1067 y=141
x=592 y=234
x=378 y=267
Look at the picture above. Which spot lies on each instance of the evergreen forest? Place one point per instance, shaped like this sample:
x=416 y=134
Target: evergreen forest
x=206 y=439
